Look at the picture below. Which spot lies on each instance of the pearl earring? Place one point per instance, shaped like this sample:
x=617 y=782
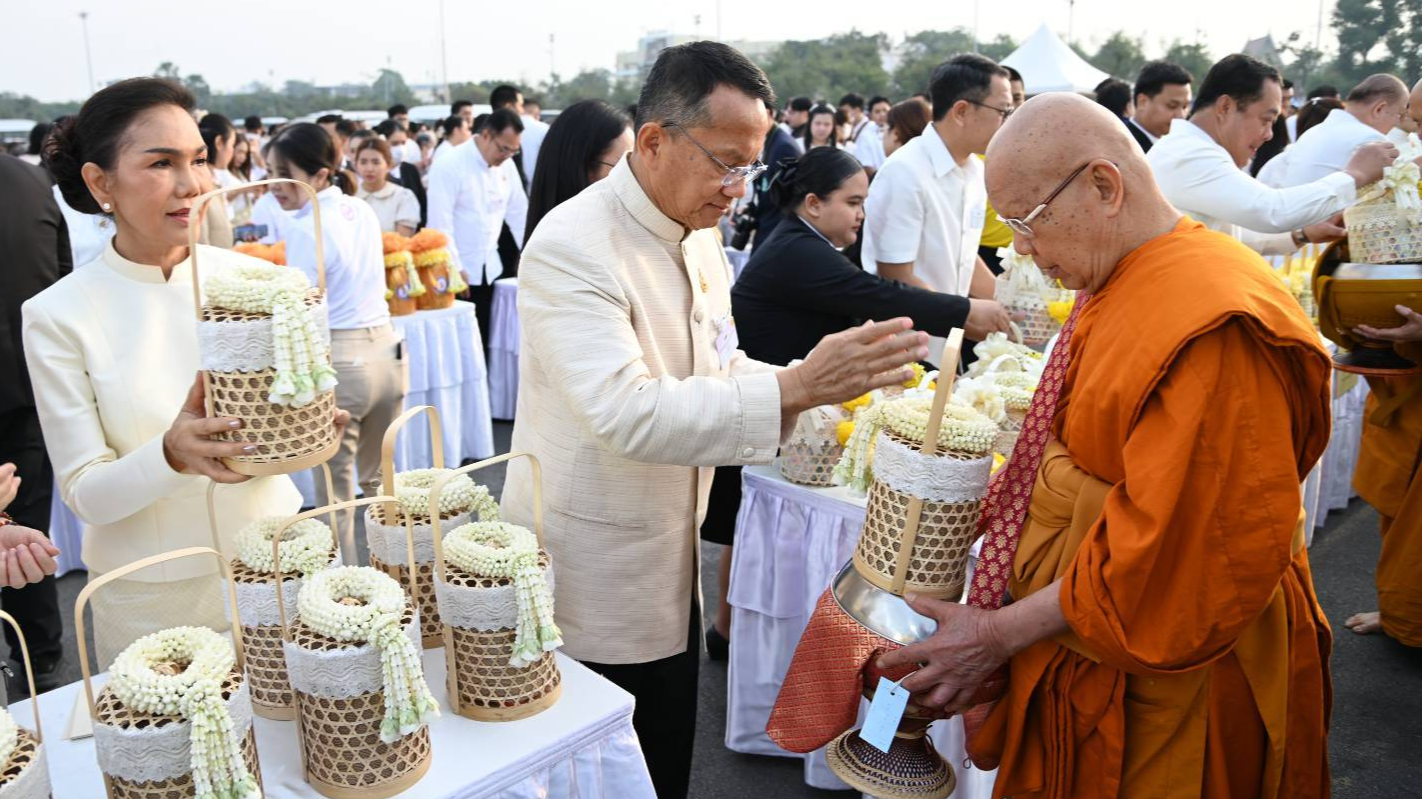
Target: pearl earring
x=108 y=206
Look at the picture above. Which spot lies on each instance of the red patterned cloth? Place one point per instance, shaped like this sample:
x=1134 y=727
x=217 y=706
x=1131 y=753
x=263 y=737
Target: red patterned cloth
x=820 y=696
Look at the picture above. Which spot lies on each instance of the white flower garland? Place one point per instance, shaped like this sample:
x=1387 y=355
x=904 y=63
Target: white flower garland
x=495 y=549
x=302 y=360
x=459 y=495
x=195 y=693
x=374 y=617
x=997 y=350
x=305 y=547
x=963 y=430
x=9 y=735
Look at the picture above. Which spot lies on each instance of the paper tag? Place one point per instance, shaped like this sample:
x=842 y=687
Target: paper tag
x=727 y=341
x=885 y=712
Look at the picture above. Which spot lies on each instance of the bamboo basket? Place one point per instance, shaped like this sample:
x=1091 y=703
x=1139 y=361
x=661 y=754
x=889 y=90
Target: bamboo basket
x=289 y=439
x=385 y=537
x=123 y=777
x=337 y=725
x=809 y=463
x=25 y=773
x=261 y=627
x=481 y=684
x=917 y=543
x=1380 y=233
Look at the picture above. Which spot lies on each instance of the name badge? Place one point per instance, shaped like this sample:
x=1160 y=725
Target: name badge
x=727 y=342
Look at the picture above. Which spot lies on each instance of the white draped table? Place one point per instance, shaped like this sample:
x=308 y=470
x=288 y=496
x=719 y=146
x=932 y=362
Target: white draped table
x=791 y=541
x=503 y=349
x=446 y=357
x=583 y=747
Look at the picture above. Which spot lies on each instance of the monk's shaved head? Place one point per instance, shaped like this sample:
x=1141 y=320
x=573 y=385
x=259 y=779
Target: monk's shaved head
x=1109 y=209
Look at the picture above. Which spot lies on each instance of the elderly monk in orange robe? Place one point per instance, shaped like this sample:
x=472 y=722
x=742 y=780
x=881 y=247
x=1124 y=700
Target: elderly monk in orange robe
x=1389 y=477
x=1164 y=639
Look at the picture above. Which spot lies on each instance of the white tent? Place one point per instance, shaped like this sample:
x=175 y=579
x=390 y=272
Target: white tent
x=1048 y=65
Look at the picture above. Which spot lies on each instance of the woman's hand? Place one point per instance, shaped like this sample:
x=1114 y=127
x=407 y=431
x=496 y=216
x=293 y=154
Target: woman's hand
x=26 y=556
x=189 y=447
x=9 y=485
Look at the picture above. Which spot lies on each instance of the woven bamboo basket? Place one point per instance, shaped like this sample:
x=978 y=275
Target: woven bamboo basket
x=385 y=536
x=25 y=773
x=288 y=439
x=1379 y=233
x=338 y=720
x=481 y=684
x=809 y=463
x=1009 y=432
x=261 y=627
x=145 y=756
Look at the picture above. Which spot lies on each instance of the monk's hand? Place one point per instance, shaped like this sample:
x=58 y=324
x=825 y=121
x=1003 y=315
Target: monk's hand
x=1411 y=330
x=850 y=363
x=965 y=650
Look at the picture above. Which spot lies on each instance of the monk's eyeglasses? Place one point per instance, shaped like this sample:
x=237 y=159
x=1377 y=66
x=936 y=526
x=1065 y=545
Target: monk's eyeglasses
x=1023 y=226
x=735 y=175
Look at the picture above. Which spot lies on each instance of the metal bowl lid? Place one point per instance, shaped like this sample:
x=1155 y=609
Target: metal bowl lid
x=1356 y=271
x=882 y=612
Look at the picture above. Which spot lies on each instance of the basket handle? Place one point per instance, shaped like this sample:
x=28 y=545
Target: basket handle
x=212 y=513
x=127 y=569
x=946 y=372
x=392 y=506
x=29 y=671
x=387 y=445
x=204 y=199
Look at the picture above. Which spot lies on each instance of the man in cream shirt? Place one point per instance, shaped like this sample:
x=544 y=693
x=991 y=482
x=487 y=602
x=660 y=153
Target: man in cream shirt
x=923 y=217
x=1199 y=166
x=632 y=386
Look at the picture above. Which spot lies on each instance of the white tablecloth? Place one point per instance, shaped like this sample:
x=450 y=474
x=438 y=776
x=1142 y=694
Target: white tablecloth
x=503 y=349
x=790 y=543
x=446 y=356
x=583 y=747
x=1329 y=486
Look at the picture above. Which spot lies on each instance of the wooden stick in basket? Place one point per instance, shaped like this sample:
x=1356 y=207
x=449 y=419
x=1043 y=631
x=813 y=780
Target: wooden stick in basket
x=947 y=370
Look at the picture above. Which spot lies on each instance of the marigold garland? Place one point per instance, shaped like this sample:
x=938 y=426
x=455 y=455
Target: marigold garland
x=179 y=672
x=506 y=551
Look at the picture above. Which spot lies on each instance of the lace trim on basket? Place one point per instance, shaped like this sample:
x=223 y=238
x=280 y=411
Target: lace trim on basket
x=387 y=542
x=931 y=478
x=340 y=673
x=483 y=609
x=257 y=602
x=152 y=753
x=246 y=346
x=33 y=782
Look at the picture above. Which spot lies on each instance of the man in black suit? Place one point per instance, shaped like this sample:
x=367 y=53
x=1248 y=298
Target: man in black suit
x=778 y=146
x=1114 y=95
x=36 y=246
x=409 y=174
x=1162 y=95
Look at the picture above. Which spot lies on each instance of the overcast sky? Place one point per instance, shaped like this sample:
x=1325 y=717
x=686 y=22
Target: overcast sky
x=233 y=43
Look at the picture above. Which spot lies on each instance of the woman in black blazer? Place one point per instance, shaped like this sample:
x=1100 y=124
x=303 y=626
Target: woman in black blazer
x=798 y=288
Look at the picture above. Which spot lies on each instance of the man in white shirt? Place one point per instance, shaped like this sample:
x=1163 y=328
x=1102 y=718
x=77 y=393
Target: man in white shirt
x=797 y=114
x=534 y=131
x=869 y=149
x=924 y=212
x=1200 y=165
x=852 y=106
x=456 y=132
x=472 y=192
x=1373 y=108
x=1162 y=95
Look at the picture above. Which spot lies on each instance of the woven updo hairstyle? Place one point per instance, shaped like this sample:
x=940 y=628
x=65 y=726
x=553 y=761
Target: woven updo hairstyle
x=820 y=171
x=96 y=133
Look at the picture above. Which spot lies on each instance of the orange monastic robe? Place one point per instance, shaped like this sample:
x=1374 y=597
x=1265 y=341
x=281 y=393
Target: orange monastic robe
x=1389 y=477
x=1197 y=664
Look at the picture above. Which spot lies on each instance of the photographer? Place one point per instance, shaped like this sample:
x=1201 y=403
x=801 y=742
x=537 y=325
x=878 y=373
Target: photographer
x=763 y=214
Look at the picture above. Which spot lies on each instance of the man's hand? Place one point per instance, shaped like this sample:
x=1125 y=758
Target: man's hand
x=957 y=658
x=1411 y=330
x=26 y=556
x=847 y=364
x=984 y=317
x=1369 y=161
x=1330 y=229
x=9 y=485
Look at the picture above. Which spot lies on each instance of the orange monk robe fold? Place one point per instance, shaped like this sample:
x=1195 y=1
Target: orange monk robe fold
x=1196 y=402
x=1389 y=477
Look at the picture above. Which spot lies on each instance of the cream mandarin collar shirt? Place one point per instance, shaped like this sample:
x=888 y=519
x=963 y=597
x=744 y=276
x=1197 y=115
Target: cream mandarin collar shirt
x=112 y=352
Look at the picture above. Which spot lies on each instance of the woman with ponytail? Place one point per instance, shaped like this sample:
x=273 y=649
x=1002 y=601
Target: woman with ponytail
x=370 y=369
x=112 y=354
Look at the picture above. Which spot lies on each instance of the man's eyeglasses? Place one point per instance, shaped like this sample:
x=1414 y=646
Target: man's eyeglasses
x=735 y=175
x=1006 y=112
x=509 y=151
x=1023 y=227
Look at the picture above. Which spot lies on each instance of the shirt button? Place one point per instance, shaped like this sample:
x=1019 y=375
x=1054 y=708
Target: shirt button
x=698 y=315
x=748 y=452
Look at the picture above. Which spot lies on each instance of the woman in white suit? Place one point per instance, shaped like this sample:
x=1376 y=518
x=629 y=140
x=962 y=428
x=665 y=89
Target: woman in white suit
x=112 y=353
